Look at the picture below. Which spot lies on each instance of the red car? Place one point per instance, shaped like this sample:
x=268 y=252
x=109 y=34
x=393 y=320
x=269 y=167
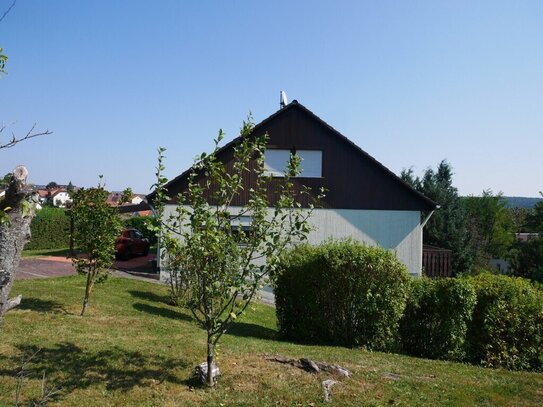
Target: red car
x=131 y=242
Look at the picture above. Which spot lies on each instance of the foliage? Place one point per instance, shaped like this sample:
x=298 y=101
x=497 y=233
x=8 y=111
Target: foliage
x=447 y=228
x=215 y=252
x=147 y=225
x=436 y=318
x=341 y=293
x=526 y=259
x=96 y=227
x=490 y=226
x=3 y=60
x=50 y=229
x=534 y=220
x=507 y=325
x=518 y=218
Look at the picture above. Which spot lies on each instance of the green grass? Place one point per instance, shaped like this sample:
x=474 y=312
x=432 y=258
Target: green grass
x=47 y=252
x=132 y=349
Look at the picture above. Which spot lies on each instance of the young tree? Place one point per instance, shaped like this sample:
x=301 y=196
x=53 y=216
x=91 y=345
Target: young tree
x=218 y=256
x=96 y=227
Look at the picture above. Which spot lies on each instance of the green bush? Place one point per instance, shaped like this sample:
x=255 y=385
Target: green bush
x=142 y=224
x=50 y=229
x=507 y=325
x=436 y=318
x=341 y=293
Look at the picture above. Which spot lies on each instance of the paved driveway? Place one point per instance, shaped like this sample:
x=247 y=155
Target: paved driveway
x=138 y=267
x=43 y=267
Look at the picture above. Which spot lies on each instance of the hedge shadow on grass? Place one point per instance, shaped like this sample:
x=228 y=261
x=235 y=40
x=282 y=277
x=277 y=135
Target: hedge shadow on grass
x=39 y=305
x=162 y=312
x=246 y=330
x=69 y=367
x=149 y=296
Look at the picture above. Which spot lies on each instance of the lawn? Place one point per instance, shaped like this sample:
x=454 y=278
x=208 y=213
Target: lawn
x=47 y=252
x=134 y=349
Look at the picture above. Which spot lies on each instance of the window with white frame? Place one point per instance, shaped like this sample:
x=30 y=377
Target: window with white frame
x=276 y=161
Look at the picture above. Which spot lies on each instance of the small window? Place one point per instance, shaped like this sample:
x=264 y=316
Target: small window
x=276 y=161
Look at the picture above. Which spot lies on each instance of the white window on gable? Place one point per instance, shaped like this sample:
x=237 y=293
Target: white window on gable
x=276 y=161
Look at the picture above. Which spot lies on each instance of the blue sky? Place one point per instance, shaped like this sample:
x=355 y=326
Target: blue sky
x=410 y=82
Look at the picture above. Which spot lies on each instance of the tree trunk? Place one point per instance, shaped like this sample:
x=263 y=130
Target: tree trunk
x=14 y=234
x=210 y=380
x=88 y=289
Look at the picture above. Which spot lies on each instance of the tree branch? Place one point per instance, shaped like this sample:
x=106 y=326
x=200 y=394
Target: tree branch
x=30 y=134
x=8 y=10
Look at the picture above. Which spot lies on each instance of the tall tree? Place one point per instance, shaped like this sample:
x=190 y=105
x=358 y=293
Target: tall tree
x=219 y=255
x=447 y=227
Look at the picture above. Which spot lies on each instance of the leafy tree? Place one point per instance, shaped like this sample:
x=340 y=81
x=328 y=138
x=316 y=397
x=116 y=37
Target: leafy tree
x=218 y=256
x=51 y=185
x=491 y=230
x=526 y=259
x=96 y=227
x=447 y=227
x=534 y=220
x=70 y=188
x=518 y=217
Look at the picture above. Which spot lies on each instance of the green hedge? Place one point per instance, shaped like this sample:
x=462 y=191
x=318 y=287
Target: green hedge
x=50 y=229
x=507 y=325
x=436 y=318
x=341 y=293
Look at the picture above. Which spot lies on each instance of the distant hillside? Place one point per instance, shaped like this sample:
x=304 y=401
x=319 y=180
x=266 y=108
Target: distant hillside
x=521 y=201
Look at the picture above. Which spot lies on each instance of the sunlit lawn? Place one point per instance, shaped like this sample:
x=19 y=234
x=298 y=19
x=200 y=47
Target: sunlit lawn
x=134 y=349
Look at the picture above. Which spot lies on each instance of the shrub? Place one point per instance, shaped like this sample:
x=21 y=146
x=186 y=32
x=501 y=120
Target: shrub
x=50 y=229
x=507 y=325
x=436 y=318
x=341 y=293
x=142 y=223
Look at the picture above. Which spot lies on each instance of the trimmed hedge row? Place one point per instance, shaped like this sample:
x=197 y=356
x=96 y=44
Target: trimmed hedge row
x=436 y=318
x=507 y=325
x=345 y=293
x=341 y=293
x=50 y=229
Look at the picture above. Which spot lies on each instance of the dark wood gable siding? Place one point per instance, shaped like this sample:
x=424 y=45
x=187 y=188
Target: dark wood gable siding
x=352 y=178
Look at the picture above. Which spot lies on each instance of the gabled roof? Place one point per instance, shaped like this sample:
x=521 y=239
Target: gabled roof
x=425 y=201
